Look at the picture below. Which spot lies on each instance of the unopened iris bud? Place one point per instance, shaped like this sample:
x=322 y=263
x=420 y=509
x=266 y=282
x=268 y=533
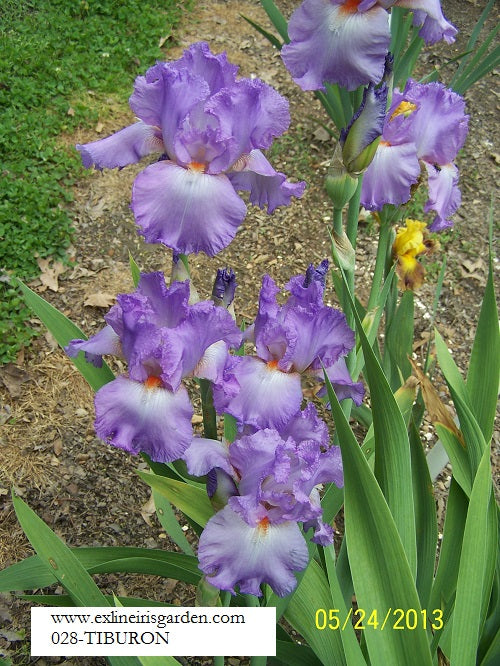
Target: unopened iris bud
x=359 y=140
x=340 y=186
x=224 y=288
x=317 y=274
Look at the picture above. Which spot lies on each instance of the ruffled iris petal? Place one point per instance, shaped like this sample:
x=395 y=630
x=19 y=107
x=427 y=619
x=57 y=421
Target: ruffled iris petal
x=186 y=210
x=135 y=418
x=232 y=553
x=249 y=114
x=332 y=43
x=127 y=146
x=322 y=337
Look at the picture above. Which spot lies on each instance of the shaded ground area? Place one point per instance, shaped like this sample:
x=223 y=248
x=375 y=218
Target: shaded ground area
x=88 y=492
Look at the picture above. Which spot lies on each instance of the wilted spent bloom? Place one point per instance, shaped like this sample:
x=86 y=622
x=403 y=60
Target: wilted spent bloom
x=424 y=129
x=163 y=339
x=346 y=41
x=411 y=241
x=209 y=128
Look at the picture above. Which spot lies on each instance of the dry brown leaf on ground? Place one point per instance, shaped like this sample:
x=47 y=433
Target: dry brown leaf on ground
x=100 y=300
x=50 y=271
x=148 y=509
x=13 y=378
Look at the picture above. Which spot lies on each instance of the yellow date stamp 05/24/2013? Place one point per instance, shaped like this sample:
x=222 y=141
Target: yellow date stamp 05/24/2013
x=397 y=619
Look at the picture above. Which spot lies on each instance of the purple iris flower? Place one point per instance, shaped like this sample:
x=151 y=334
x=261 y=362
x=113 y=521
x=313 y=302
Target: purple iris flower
x=275 y=476
x=163 y=339
x=300 y=337
x=425 y=127
x=346 y=41
x=337 y=41
x=210 y=129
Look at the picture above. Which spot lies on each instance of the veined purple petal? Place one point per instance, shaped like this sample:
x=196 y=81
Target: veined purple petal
x=389 y=177
x=337 y=44
x=127 y=146
x=444 y=194
x=267 y=187
x=137 y=417
x=267 y=397
x=104 y=342
x=232 y=553
x=186 y=210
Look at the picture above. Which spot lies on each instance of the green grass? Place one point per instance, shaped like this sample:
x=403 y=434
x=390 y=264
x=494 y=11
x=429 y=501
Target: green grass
x=58 y=56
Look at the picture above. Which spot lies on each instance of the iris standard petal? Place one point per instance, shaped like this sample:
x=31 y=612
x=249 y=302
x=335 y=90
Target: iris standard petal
x=127 y=146
x=249 y=114
x=323 y=336
x=232 y=553
x=389 y=177
x=213 y=68
x=137 y=416
x=337 y=42
x=202 y=455
x=187 y=210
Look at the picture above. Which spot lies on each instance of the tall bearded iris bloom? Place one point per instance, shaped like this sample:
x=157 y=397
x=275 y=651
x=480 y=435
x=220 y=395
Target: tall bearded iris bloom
x=255 y=538
x=346 y=41
x=295 y=339
x=163 y=339
x=424 y=129
x=210 y=129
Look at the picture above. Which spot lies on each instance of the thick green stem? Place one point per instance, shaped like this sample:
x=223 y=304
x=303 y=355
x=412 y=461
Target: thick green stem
x=208 y=409
x=353 y=214
x=251 y=600
x=380 y=262
x=337 y=220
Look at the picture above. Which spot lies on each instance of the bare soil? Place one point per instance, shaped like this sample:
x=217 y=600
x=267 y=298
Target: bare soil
x=88 y=492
